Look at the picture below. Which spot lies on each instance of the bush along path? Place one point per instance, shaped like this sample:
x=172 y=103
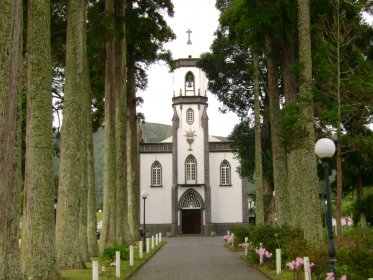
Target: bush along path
x=116 y=261
x=281 y=253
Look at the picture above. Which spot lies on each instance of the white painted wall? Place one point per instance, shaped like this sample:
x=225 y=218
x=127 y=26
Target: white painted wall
x=197 y=146
x=226 y=202
x=158 y=204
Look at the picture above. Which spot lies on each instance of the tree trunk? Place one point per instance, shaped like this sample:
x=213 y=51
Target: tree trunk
x=132 y=158
x=307 y=164
x=339 y=191
x=258 y=148
x=120 y=126
x=91 y=203
x=290 y=86
x=86 y=128
x=293 y=154
x=38 y=255
x=278 y=152
x=108 y=234
x=339 y=134
x=10 y=57
x=68 y=218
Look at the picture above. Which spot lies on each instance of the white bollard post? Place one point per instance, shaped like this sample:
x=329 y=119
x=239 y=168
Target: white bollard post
x=117 y=264
x=307 y=270
x=261 y=257
x=246 y=240
x=148 y=245
x=140 y=249
x=156 y=239
x=95 y=270
x=160 y=237
x=152 y=242
x=131 y=255
x=278 y=261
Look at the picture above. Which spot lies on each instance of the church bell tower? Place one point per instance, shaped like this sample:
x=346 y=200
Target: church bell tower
x=190 y=153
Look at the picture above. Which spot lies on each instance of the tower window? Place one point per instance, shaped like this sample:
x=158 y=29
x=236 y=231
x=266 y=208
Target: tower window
x=156 y=174
x=225 y=173
x=189 y=81
x=191 y=170
x=190 y=116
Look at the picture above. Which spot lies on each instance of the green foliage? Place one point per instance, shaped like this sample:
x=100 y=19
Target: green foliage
x=243 y=144
x=108 y=254
x=320 y=257
x=366 y=206
x=289 y=240
x=252 y=257
x=292 y=125
x=355 y=262
x=240 y=233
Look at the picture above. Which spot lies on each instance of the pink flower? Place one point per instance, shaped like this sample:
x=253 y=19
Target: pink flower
x=294 y=265
x=344 y=277
x=262 y=252
x=229 y=239
x=329 y=276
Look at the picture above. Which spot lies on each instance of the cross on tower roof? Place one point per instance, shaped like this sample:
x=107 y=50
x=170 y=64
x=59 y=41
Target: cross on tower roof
x=189 y=32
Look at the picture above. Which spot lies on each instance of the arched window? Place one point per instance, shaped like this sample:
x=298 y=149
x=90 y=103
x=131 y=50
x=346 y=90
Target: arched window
x=225 y=173
x=189 y=81
x=190 y=116
x=156 y=174
x=190 y=170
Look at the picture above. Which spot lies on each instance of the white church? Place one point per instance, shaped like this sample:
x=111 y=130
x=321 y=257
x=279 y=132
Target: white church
x=191 y=178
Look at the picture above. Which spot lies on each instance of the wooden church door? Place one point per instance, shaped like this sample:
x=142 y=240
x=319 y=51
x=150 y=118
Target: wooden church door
x=191 y=221
x=191 y=212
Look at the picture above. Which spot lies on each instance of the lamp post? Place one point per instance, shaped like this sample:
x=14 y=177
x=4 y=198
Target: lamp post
x=325 y=149
x=144 y=195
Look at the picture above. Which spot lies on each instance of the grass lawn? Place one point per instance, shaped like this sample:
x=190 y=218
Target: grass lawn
x=286 y=274
x=125 y=269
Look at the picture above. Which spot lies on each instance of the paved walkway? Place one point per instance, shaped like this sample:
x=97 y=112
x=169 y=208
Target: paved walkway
x=194 y=258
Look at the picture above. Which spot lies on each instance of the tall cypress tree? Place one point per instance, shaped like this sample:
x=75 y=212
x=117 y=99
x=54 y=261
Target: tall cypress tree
x=108 y=234
x=10 y=57
x=307 y=165
x=67 y=231
x=38 y=255
x=120 y=88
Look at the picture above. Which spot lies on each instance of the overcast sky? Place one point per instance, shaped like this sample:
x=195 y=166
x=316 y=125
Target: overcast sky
x=201 y=17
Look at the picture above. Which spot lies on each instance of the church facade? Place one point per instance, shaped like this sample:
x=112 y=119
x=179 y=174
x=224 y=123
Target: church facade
x=191 y=177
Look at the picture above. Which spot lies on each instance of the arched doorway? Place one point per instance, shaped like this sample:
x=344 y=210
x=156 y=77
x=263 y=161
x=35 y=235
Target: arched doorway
x=191 y=205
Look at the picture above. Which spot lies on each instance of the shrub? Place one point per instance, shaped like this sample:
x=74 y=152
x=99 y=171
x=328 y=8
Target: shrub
x=355 y=262
x=365 y=206
x=273 y=238
x=109 y=253
x=240 y=233
x=252 y=257
x=320 y=257
x=295 y=248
